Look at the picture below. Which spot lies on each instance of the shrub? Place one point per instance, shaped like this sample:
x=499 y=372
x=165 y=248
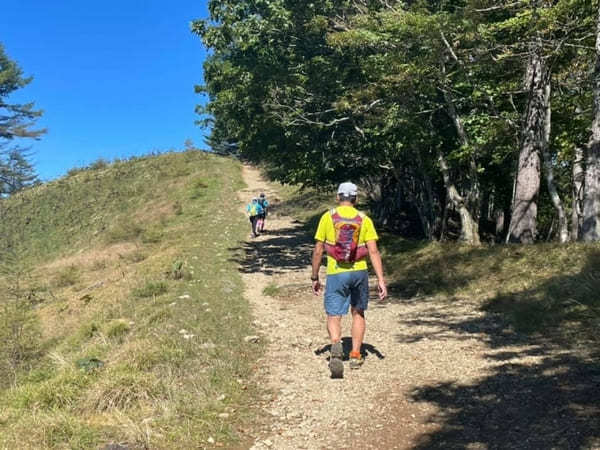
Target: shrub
x=177 y=208
x=100 y=163
x=99 y=264
x=68 y=276
x=124 y=230
x=117 y=329
x=59 y=392
x=87 y=331
x=198 y=189
x=19 y=338
x=151 y=289
x=151 y=236
x=74 y=171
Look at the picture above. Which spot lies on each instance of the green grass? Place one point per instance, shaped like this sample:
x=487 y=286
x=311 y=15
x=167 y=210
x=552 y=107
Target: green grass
x=151 y=289
x=272 y=290
x=132 y=268
x=545 y=289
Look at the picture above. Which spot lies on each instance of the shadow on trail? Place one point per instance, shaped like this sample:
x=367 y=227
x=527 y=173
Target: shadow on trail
x=542 y=389
x=365 y=349
x=552 y=404
x=276 y=251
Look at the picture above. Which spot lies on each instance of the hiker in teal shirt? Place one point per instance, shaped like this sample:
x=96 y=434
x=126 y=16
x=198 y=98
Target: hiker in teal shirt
x=254 y=210
x=262 y=201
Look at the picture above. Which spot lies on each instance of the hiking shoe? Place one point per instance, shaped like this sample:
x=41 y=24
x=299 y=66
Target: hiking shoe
x=356 y=360
x=336 y=366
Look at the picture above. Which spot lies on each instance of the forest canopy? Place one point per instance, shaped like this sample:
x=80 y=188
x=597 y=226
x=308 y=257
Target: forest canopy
x=468 y=119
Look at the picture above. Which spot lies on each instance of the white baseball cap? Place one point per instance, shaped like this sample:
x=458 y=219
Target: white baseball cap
x=348 y=189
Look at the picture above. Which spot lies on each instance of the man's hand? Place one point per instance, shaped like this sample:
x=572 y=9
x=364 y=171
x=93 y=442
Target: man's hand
x=317 y=256
x=316 y=287
x=382 y=288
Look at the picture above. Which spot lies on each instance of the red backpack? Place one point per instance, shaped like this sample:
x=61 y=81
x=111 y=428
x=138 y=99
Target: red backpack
x=347 y=232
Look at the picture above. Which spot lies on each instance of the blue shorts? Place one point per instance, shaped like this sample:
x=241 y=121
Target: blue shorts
x=345 y=289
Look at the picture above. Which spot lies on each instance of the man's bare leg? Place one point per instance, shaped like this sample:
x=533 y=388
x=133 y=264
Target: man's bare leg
x=334 y=327
x=359 y=325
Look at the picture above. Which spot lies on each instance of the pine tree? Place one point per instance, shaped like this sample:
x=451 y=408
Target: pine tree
x=16 y=122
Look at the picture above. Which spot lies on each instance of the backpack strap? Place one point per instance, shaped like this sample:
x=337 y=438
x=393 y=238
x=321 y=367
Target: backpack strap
x=333 y=212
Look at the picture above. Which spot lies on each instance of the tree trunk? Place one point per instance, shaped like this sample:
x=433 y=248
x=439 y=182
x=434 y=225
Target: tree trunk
x=473 y=197
x=469 y=229
x=499 y=218
x=577 y=200
x=563 y=223
x=590 y=228
x=523 y=220
x=444 y=225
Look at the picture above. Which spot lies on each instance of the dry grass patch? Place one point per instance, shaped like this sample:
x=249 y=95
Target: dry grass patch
x=90 y=257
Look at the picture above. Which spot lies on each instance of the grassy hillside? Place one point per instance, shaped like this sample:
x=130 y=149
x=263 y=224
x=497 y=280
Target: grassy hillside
x=122 y=314
x=545 y=290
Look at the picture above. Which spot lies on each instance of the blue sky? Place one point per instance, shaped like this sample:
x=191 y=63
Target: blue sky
x=114 y=78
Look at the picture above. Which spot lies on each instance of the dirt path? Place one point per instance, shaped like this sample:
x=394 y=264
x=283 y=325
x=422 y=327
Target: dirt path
x=429 y=361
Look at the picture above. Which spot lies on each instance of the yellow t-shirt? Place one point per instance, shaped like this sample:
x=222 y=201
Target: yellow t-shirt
x=326 y=233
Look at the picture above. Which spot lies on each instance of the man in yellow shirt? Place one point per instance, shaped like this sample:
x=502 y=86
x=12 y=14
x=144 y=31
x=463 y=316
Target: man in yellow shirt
x=348 y=236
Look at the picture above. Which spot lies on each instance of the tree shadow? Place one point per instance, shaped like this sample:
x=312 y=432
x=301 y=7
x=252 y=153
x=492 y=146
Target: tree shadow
x=564 y=308
x=276 y=251
x=542 y=389
x=432 y=272
x=551 y=404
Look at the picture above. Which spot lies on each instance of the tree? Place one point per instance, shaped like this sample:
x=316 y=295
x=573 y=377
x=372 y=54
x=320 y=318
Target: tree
x=424 y=102
x=16 y=172
x=16 y=122
x=591 y=201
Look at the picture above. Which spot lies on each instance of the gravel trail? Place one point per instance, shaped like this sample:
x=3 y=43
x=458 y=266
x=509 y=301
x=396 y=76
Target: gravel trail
x=418 y=350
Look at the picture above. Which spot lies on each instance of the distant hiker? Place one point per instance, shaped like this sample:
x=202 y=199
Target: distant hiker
x=262 y=201
x=347 y=236
x=254 y=211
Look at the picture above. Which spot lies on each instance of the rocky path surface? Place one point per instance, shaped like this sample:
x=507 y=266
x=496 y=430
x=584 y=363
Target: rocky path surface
x=428 y=360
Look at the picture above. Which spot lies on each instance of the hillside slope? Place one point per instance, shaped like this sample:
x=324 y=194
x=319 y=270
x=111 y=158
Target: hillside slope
x=123 y=316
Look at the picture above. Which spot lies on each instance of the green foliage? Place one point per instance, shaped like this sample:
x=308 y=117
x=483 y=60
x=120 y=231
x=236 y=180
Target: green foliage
x=176 y=271
x=322 y=92
x=16 y=170
x=16 y=121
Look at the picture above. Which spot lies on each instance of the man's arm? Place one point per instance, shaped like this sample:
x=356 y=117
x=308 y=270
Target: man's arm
x=317 y=257
x=375 y=258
